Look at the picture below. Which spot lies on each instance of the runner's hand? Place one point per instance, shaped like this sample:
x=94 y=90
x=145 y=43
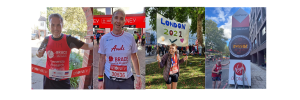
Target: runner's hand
x=138 y=84
x=40 y=53
x=185 y=58
x=101 y=85
x=158 y=58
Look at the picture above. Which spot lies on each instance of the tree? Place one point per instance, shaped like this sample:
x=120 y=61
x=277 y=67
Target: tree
x=215 y=38
x=139 y=30
x=152 y=38
x=96 y=12
x=226 y=51
x=74 y=20
x=124 y=29
x=181 y=14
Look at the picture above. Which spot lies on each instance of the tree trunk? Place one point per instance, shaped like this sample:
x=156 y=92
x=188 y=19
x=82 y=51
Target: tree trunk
x=199 y=31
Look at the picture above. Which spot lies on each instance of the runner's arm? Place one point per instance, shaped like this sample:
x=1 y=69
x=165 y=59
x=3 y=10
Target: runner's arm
x=101 y=64
x=213 y=70
x=136 y=64
x=42 y=48
x=87 y=46
x=163 y=61
x=225 y=64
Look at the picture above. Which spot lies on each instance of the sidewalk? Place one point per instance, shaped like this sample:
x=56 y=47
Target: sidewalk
x=37 y=79
x=258 y=78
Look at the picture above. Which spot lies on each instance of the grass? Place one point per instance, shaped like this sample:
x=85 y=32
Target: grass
x=192 y=76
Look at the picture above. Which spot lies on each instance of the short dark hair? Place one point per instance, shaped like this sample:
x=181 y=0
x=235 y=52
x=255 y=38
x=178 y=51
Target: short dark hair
x=56 y=15
x=173 y=44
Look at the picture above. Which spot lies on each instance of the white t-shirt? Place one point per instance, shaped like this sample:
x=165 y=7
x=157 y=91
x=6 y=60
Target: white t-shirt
x=118 y=50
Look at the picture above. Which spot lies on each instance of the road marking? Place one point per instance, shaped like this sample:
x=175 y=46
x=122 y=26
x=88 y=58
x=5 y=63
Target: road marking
x=224 y=85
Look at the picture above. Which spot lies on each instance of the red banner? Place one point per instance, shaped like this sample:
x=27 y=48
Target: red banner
x=104 y=21
x=81 y=71
x=100 y=31
x=39 y=70
x=75 y=73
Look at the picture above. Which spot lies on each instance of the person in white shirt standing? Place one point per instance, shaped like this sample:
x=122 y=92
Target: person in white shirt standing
x=120 y=49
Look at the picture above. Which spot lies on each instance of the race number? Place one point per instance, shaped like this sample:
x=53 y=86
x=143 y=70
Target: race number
x=118 y=71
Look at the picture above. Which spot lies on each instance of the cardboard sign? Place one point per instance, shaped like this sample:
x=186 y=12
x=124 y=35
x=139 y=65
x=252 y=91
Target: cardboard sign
x=238 y=66
x=171 y=31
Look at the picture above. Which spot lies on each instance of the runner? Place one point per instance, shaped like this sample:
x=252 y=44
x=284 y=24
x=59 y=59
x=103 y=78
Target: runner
x=58 y=47
x=135 y=36
x=98 y=38
x=171 y=63
x=120 y=48
x=143 y=40
x=216 y=73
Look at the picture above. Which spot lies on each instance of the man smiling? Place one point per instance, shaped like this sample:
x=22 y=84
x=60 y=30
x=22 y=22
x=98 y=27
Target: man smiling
x=58 y=47
x=118 y=46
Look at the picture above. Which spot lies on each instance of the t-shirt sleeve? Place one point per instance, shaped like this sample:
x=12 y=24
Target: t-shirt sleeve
x=133 y=47
x=74 y=42
x=102 y=46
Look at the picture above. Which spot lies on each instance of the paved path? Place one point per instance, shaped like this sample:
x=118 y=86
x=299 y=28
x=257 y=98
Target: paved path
x=37 y=79
x=258 y=77
x=208 y=78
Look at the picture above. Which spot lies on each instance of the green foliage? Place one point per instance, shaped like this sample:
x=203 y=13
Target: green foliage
x=125 y=29
x=192 y=76
x=226 y=51
x=139 y=30
x=75 y=63
x=96 y=12
x=215 y=38
x=152 y=37
x=74 y=20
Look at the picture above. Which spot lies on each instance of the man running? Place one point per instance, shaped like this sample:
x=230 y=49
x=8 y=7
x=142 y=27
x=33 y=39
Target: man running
x=135 y=36
x=143 y=40
x=216 y=73
x=58 y=47
x=120 y=49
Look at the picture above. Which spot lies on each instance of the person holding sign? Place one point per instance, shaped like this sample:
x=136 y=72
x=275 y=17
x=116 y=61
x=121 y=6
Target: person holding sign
x=171 y=63
x=58 y=47
x=216 y=73
x=120 y=48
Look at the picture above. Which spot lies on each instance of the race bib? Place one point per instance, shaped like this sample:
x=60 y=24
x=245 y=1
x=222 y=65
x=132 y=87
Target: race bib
x=118 y=72
x=60 y=74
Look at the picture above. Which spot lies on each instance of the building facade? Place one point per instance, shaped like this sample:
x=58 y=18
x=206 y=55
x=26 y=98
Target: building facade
x=258 y=34
x=42 y=27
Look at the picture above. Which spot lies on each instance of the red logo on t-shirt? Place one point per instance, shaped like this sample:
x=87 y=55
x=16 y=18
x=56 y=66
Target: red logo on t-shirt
x=111 y=58
x=115 y=48
x=238 y=68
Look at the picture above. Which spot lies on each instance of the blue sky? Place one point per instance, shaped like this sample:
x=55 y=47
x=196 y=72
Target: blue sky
x=223 y=17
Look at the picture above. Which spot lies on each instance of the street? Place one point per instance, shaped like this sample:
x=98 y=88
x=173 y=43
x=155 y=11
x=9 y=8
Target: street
x=258 y=76
x=208 y=79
